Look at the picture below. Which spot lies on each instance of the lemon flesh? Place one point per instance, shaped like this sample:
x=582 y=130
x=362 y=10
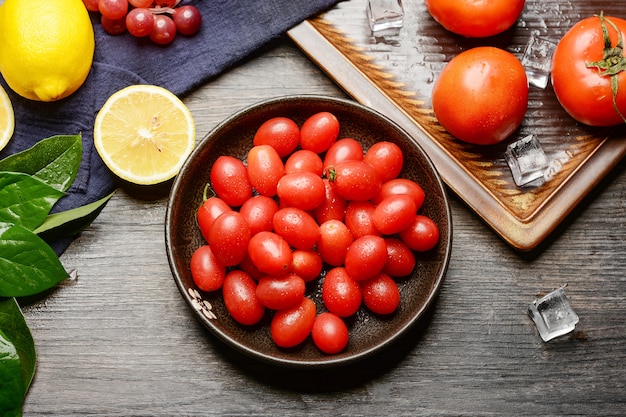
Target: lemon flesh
x=46 y=47
x=144 y=134
x=7 y=119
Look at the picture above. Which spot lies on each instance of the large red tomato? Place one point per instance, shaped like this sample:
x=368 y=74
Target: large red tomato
x=578 y=67
x=475 y=19
x=481 y=96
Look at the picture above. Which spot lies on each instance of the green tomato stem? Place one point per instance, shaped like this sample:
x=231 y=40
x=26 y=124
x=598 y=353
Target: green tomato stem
x=613 y=61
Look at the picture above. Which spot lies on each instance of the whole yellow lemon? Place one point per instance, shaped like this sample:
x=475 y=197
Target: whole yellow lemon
x=46 y=47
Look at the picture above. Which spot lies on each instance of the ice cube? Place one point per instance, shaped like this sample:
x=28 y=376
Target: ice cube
x=526 y=159
x=385 y=14
x=537 y=60
x=553 y=315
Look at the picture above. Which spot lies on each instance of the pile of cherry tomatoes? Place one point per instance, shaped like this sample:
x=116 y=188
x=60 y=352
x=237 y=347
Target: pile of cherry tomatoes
x=481 y=96
x=304 y=206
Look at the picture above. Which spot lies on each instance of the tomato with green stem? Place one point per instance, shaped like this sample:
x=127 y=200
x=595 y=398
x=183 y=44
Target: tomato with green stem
x=588 y=74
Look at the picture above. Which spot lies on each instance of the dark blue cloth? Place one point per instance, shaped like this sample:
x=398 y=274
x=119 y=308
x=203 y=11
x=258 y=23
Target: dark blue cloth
x=231 y=30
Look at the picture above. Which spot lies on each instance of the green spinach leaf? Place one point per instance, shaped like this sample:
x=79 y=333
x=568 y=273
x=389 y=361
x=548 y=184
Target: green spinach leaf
x=28 y=265
x=18 y=358
x=25 y=200
x=54 y=160
x=70 y=222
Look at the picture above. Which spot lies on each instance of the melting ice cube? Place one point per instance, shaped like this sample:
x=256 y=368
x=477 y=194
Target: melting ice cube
x=553 y=315
x=537 y=60
x=526 y=159
x=385 y=14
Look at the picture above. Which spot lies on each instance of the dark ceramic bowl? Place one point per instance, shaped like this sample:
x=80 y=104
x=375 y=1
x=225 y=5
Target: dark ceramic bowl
x=369 y=333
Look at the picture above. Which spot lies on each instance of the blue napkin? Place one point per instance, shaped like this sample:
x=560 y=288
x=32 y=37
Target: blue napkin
x=230 y=31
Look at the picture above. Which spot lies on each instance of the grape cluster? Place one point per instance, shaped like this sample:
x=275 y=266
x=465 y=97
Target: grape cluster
x=160 y=20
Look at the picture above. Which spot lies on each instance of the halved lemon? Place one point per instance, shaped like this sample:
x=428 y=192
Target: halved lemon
x=7 y=119
x=144 y=133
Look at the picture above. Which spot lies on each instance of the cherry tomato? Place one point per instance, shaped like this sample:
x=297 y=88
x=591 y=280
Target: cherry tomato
x=209 y=210
x=346 y=149
x=281 y=133
x=290 y=327
x=355 y=180
x=381 y=294
x=307 y=264
x=297 y=227
x=258 y=212
x=583 y=91
x=400 y=259
x=341 y=294
x=386 y=158
x=366 y=257
x=250 y=268
x=333 y=207
x=333 y=243
x=303 y=190
x=270 y=253
x=239 y=292
x=265 y=168
x=319 y=132
x=304 y=160
x=394 y=214
x=207 y=272
x=360 y=218
x=481 y=96
x=282 y=292
x=330 y=333
x=401 y=186
x=421 y=235
x=229 y=179
x=475 y=19
x=229 y=237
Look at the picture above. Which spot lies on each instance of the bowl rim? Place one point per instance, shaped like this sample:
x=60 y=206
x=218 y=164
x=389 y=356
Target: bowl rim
x=332 y=360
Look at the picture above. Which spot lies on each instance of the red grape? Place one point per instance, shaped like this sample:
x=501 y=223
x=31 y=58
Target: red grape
x=113 y=9
x=92 y=5
x=113 y=26
x=165 y=3
x=188 y=19
x=140 y=22
x=141 y=3
x=164 y=30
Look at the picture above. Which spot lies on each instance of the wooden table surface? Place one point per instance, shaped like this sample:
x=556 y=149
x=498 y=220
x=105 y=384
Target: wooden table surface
x=120 y=341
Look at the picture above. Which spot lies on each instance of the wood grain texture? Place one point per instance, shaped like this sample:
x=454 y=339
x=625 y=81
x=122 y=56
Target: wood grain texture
x=119 y=340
